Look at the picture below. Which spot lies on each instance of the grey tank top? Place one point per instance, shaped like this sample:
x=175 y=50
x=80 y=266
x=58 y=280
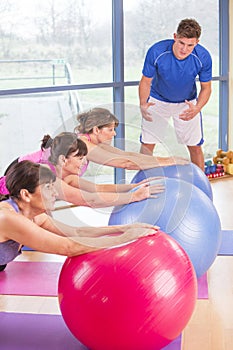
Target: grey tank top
x=9 y=250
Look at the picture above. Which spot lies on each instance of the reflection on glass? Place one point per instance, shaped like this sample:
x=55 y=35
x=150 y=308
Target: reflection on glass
x=210 y=126
x=146 y=22
x=75 y=32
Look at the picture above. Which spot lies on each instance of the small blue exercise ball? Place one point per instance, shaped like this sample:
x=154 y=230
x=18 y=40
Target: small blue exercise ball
x=184 y=212
x=188 y=172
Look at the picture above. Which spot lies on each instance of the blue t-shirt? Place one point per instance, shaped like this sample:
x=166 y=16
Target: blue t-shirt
x=174 y=79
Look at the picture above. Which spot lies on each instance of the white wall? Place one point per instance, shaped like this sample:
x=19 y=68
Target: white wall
x=230 y=132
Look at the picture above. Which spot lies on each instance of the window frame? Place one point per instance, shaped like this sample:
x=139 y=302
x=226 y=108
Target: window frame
x=118 y=84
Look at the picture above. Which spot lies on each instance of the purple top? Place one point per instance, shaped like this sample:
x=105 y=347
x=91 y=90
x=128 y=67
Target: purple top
x=10 y=249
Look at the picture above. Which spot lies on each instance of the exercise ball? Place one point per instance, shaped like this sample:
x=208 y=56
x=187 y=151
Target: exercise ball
x=188 y=172
x=136 y=296
x=185 y=213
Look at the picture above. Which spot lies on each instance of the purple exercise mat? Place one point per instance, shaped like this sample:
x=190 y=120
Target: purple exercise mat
x=41 y=278
x=202 y=287
x=175 y=345
x=20 y=331
x=226 y=247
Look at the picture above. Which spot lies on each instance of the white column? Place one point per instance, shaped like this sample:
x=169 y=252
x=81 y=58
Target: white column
x=230 y=132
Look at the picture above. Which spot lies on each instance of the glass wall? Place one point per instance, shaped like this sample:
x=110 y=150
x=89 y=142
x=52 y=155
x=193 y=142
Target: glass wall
x=148 y=21
x=52 y=44
x=73 y=32
x=25 y=119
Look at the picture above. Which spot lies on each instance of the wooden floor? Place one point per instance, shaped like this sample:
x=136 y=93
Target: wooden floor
x=211 y=326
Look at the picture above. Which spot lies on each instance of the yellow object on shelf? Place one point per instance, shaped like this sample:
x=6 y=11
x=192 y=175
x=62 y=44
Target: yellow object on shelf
x=229 y=169
x=218 y=160
x=220 y=153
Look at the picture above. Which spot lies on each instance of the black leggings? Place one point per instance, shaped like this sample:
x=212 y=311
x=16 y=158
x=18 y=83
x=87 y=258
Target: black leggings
x=2 y=267
x=9 y=166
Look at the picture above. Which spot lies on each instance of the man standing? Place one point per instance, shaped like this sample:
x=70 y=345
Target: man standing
x=168 y=89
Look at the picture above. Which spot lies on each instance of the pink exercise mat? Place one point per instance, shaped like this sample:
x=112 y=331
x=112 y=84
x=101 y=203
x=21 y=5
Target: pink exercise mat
x=30 y=278
x=41 y=278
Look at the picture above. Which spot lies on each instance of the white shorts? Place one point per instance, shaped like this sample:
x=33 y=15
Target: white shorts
x=189 y=133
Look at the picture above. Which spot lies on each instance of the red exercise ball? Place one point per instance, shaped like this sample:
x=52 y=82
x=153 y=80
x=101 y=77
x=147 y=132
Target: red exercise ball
x=132 y=297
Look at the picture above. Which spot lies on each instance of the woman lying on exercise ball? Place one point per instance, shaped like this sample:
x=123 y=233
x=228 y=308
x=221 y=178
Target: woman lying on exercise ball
x=97 y=129
x=66 y=158
x=23 y=219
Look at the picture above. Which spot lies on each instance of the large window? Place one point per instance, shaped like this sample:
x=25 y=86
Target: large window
x=76 y=32
x=149 y=21
x=51 y=50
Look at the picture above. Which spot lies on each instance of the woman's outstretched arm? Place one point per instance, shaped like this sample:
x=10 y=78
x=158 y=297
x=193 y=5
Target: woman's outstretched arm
x=48 y=236
x=85 y=185
x=104 y=199
x=112 y=156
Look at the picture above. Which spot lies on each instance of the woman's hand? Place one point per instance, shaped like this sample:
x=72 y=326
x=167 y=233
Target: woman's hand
x=139 y=225
x=148 y=180
x=167 y=161
x=134 y=231
x=148 y=189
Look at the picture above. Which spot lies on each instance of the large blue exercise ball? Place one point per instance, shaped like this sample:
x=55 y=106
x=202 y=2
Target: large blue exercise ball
x=184 y=212
x=188 y=172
